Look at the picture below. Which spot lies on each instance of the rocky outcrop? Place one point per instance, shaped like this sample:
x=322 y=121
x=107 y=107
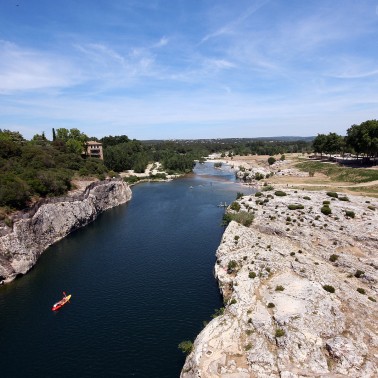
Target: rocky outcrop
x=300 y=291
x=51 y=220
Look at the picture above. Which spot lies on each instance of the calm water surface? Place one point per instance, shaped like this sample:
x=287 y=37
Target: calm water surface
x=141 y=281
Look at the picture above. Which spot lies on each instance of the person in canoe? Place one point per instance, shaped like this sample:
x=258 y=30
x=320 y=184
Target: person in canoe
x=62 y=302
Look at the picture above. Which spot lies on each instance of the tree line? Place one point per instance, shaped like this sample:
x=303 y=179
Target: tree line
x=361 y=140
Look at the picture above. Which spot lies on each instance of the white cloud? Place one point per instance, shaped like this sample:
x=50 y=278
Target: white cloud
x=27 y=69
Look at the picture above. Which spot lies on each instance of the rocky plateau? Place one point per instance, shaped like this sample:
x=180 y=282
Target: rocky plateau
x=300 y=290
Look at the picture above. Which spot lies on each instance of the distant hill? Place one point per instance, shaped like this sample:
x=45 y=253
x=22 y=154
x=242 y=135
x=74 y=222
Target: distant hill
x=235 y=140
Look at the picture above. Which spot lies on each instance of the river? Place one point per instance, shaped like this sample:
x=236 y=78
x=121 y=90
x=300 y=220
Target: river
x=141 y=279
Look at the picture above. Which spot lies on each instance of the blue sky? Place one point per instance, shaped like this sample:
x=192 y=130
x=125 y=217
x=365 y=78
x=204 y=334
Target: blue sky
x=177 y=69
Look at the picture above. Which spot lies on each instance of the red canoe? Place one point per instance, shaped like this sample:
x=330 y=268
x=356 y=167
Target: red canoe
x=61 y=303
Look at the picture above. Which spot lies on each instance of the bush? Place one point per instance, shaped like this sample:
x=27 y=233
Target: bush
x=349 y=213
x=271 y=305
x=361 y=290
x=280 y=193
x=232 y=266
x=371 y=208
x=252 y=275
x=372 y=299
x=326 y=202
x=295 y=207
x=242 y=217
x=307 y=198
x=326 y=210
x=186 y=346
x=258 y=194
x=239 y=195
x=329 y=288
x=131 y=179
x=235 y=206
x=332 y=194
x=333 y=257
x=344 y=199
x=279 y=332
x=359 y=273
x=280 y=288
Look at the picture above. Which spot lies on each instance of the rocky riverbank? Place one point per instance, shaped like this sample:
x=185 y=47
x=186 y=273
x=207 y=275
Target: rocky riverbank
x=300 y=290
x=51 y=220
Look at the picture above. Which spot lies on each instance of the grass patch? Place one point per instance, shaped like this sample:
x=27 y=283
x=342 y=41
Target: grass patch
x=337 y=173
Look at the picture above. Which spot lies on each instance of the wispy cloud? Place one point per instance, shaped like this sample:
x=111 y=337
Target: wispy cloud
x=25 y=69
x=230 y=27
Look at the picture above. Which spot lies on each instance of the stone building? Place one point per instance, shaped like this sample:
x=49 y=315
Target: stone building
x=94 y=149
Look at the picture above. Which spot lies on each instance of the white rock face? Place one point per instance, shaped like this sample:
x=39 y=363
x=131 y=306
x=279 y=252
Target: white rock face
x=20 y=249
x=279 y=321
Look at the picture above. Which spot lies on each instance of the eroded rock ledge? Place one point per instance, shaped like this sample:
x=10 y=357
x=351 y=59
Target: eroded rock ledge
x=52 y=220
x=279 y=319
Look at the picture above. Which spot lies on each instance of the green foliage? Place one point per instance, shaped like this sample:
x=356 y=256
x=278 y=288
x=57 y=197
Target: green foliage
x=295 y=207
x=329 y=288
x=267 y=188
x=332 y=194
x=242 y=217
x=259 y=176
x=235 y=206
x=345 y=198
x=186 y=346
x=252 y=275
x=326 y=210
x=30 y=169
x=271 y=305
x=361 y=290
x=363 y=138
x=232 y=266
x=258 y=194
x=280 y=288
x=371 y=208
x=239 y=195
x=350 y=214
x=337 y=173
x=372 y=299
x=248 y=346
x=131 y=179
x=359 y=273
x=333 y=257
x=282 y=158
x=271 y=160
x=307 y=198
x=279 y=332
x=280 y=193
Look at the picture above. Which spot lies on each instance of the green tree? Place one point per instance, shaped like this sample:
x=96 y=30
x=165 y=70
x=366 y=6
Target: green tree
x=271 y=160
x=319 y=144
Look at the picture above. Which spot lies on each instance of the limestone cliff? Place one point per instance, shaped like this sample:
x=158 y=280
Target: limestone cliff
x=51 y=220
x=300 y=291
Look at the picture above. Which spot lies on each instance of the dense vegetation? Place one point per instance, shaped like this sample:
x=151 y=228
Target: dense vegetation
x=361 y=140
x=39 y=168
